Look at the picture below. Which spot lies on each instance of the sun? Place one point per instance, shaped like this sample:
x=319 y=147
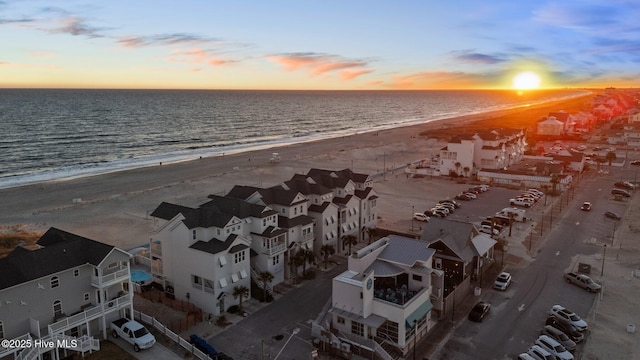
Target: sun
x=526 y=80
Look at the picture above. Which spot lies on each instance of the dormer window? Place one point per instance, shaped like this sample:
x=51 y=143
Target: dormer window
x=55 y=282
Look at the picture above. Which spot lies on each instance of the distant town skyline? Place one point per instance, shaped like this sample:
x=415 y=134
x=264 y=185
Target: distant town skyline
x=328 y=45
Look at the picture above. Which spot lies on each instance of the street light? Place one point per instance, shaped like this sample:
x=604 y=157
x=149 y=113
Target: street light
x=604 y=253
x=294 y=332
x=530 y=237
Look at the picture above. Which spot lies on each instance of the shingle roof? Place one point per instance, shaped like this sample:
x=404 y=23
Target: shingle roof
x=61 y=251
x=214 y=246
x=287 y=223
x=455 y=234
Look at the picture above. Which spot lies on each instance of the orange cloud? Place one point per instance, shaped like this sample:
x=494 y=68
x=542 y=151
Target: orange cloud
x=196 y=56
x=318 y=64
x=441 y=80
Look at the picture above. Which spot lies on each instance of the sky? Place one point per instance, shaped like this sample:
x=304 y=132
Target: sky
x=318 y=45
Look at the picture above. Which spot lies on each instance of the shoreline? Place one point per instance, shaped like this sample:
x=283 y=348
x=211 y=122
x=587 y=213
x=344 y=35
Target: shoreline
x=168 y=159
x=114 y=207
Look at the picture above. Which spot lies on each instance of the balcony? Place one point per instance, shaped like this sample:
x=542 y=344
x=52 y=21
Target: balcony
x=90 y=314
x=109 y=279
x=156 y=249
x=275 y=249
x=398 y=295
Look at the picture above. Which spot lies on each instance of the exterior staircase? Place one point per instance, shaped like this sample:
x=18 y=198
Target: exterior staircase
x=83 y=344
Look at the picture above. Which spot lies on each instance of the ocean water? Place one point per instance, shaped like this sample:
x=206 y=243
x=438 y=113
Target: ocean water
x=52 y=134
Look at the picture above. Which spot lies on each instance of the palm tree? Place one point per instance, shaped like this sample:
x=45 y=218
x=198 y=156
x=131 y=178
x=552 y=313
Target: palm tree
x=305 y=255
x=610 y=156
x=349 y=240
x=326 y=251
x=457 y=165
x=373 y=233
x=265 y=278
x=240 y=292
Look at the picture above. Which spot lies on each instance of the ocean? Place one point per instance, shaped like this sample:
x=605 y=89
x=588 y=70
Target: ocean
x=54 y=134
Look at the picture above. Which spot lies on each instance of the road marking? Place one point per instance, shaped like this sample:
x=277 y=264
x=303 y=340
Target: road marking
x=521 y=307
x=557 y=253
x=577 y=222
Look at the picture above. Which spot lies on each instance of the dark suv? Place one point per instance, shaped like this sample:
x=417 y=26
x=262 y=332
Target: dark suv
x=572 y=332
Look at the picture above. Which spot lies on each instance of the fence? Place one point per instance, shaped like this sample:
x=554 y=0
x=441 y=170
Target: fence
x=193 y=315
x=169 y=334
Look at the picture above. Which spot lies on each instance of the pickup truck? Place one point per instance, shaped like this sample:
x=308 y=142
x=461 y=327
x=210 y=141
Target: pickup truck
x=521 y=202
x=583 y=281
x=133 y=332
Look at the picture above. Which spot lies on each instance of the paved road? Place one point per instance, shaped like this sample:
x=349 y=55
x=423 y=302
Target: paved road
x=272 y=326
x=518 y=313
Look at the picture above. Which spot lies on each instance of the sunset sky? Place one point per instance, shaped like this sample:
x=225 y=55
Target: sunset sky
x=332 y=45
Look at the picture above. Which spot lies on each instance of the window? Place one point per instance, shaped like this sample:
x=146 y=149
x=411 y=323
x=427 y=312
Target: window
x=194 y=234
x=218 y=231
x=276 y=260
x=86 y=296
x=264 y=222
x=76 y=272
x=57 y=308
x=196 y=281
x=223 y=261
x=238 y=257
x=416 y=277
x=283 y=210
x=357 y=328
x=243 y=274
x=340 y=320
x=295 y=211
x=55 y=282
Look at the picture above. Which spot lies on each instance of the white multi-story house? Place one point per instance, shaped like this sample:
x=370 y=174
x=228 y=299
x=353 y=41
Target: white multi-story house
x=67 y=288
x=384 y=296
x=493 y=149
x=203 y=254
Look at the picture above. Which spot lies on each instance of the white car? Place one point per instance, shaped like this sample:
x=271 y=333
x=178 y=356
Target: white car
x=521 y=202
x=502 y=281
x=421 y=217
x=539 y=353
x=553 y=347
x=565 y=315
x=487 y=230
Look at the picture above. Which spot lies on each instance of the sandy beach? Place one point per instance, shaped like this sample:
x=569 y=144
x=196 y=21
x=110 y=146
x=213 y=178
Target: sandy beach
x=114 y=207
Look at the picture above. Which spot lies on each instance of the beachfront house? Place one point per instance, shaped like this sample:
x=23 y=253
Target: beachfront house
x=342 y=203
x=383 y=300
x=295 y=229
x=465 y=154
x=66 y=287
x=203 y=254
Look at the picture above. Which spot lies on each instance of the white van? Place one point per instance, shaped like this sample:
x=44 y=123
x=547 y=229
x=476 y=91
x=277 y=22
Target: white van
x=516 y=213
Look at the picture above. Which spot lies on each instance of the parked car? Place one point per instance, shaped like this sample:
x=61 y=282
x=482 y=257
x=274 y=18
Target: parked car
x=559 y=336
x=500 y=220
x=586 y=206
x=463 y=197
x=421 y=217
x=495 y=224
x=525 y=356
x=623 y=193
x=521 y=202
x=583 y=281
x=450 y=201
x=624 y=185
x=133 y=332
x=479 y=311
x=502 y=281
x=539 y=353
x=449 y=206
x=568 y=316
x=435 y=212
x=202 y=345
x=635 y=162
x=553 y=347
x=487 y=229
x=612 y=215
x=471 y=195
x=571 y=331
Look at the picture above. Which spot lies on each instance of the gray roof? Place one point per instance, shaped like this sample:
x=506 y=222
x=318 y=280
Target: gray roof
x=286 y=223
x=383 y=268
x=455 y=234
x=214 y=246
x=61 y=251
x=406 y=251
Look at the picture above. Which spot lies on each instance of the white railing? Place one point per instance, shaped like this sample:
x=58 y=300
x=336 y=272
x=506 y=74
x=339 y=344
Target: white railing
x=275 y=249
x=156 y=249
x=6 y=352
x=89 y=314
x=110 y=279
